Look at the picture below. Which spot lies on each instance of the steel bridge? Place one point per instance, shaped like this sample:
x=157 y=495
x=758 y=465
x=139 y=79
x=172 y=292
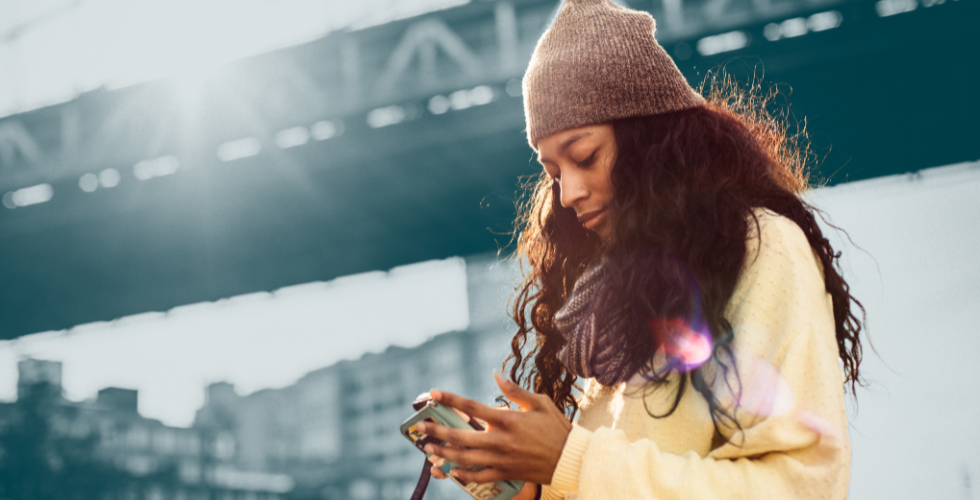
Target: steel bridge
x=398 y=143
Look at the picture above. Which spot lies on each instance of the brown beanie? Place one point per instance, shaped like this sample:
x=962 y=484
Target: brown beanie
x=599 y=62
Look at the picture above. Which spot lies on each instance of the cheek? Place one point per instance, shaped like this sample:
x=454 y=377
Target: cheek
x=606 y=184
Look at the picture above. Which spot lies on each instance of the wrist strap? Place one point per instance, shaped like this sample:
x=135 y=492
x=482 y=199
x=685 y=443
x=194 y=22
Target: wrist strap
x=424 y=481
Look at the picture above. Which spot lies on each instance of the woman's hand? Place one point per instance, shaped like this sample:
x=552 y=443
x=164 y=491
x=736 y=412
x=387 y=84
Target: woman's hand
x=528 y=492
x=522 y=445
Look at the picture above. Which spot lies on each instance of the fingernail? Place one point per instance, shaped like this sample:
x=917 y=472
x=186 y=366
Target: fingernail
x=455 y=473
x=427 y=448
x=436 y=395
x=420 y=426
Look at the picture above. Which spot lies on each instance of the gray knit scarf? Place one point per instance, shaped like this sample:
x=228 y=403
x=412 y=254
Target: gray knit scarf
x=592 y=350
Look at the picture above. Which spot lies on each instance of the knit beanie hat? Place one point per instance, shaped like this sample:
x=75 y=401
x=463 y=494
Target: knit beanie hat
x=600 y=62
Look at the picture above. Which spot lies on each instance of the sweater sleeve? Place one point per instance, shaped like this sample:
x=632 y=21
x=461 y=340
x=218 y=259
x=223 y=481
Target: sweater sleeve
x=788 y=399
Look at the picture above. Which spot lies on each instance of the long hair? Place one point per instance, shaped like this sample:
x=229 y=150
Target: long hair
x=686 y=184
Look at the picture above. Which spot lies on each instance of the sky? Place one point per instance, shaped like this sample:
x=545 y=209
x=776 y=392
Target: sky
x=255 y=341
x=52 y=50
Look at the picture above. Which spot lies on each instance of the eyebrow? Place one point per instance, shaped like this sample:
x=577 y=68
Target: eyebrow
x=565 y=145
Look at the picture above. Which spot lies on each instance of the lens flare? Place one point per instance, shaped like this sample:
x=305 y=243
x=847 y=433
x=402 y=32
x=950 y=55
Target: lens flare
x=740 y=379
x=686 y=346
x=762 y=390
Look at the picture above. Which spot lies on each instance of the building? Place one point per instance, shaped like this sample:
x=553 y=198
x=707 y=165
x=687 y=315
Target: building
x=335 y=431
x=125 y=453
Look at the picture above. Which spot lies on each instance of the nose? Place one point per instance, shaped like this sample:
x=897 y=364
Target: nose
x=573 y=189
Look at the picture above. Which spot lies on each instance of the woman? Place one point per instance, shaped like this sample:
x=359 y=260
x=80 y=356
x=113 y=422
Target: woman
x=674 y=266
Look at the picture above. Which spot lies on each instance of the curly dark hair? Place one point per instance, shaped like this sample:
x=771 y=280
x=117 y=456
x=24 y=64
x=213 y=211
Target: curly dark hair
x=686 y=184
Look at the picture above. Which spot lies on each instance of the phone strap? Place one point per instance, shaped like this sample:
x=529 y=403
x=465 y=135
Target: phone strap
x=423 y=483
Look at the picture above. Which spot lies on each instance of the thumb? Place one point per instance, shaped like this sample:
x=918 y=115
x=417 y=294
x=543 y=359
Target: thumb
x=515 y=392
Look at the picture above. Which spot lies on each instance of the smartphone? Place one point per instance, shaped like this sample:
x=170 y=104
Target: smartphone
x=432 y=411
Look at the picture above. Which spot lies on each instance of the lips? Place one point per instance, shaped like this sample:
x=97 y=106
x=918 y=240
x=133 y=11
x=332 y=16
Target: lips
x=591 y=219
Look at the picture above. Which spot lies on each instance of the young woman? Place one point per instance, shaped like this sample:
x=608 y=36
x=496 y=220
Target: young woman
x=673 y=265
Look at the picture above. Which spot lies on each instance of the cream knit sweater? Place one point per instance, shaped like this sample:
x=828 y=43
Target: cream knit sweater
x=795 y=443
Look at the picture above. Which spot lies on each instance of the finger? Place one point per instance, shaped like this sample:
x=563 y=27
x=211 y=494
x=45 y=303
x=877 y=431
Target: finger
x=529 y=491
x=467 y=406
x=526 y=400
x=437 y=473
x=487 y=475
x=454 y=436
x=467 y=457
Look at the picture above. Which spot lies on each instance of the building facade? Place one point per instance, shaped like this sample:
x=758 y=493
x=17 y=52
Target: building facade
x=336 y=430
x=123 y=454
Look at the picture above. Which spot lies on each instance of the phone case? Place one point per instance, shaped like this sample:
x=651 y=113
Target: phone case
x=433 y=411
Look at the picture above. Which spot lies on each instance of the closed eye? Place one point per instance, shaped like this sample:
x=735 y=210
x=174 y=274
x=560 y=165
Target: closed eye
x=588 y=161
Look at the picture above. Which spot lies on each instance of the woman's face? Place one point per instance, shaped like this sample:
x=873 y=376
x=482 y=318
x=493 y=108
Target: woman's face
x=581 y=161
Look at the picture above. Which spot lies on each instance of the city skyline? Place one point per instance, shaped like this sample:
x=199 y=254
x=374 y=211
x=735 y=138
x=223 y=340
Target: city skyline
x=171 y=357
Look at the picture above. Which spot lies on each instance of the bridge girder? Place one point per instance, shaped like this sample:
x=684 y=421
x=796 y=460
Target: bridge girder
x=300 y=205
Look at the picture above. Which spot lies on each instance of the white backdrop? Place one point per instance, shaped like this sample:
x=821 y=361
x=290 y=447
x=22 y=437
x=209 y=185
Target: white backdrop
x=915 y=431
